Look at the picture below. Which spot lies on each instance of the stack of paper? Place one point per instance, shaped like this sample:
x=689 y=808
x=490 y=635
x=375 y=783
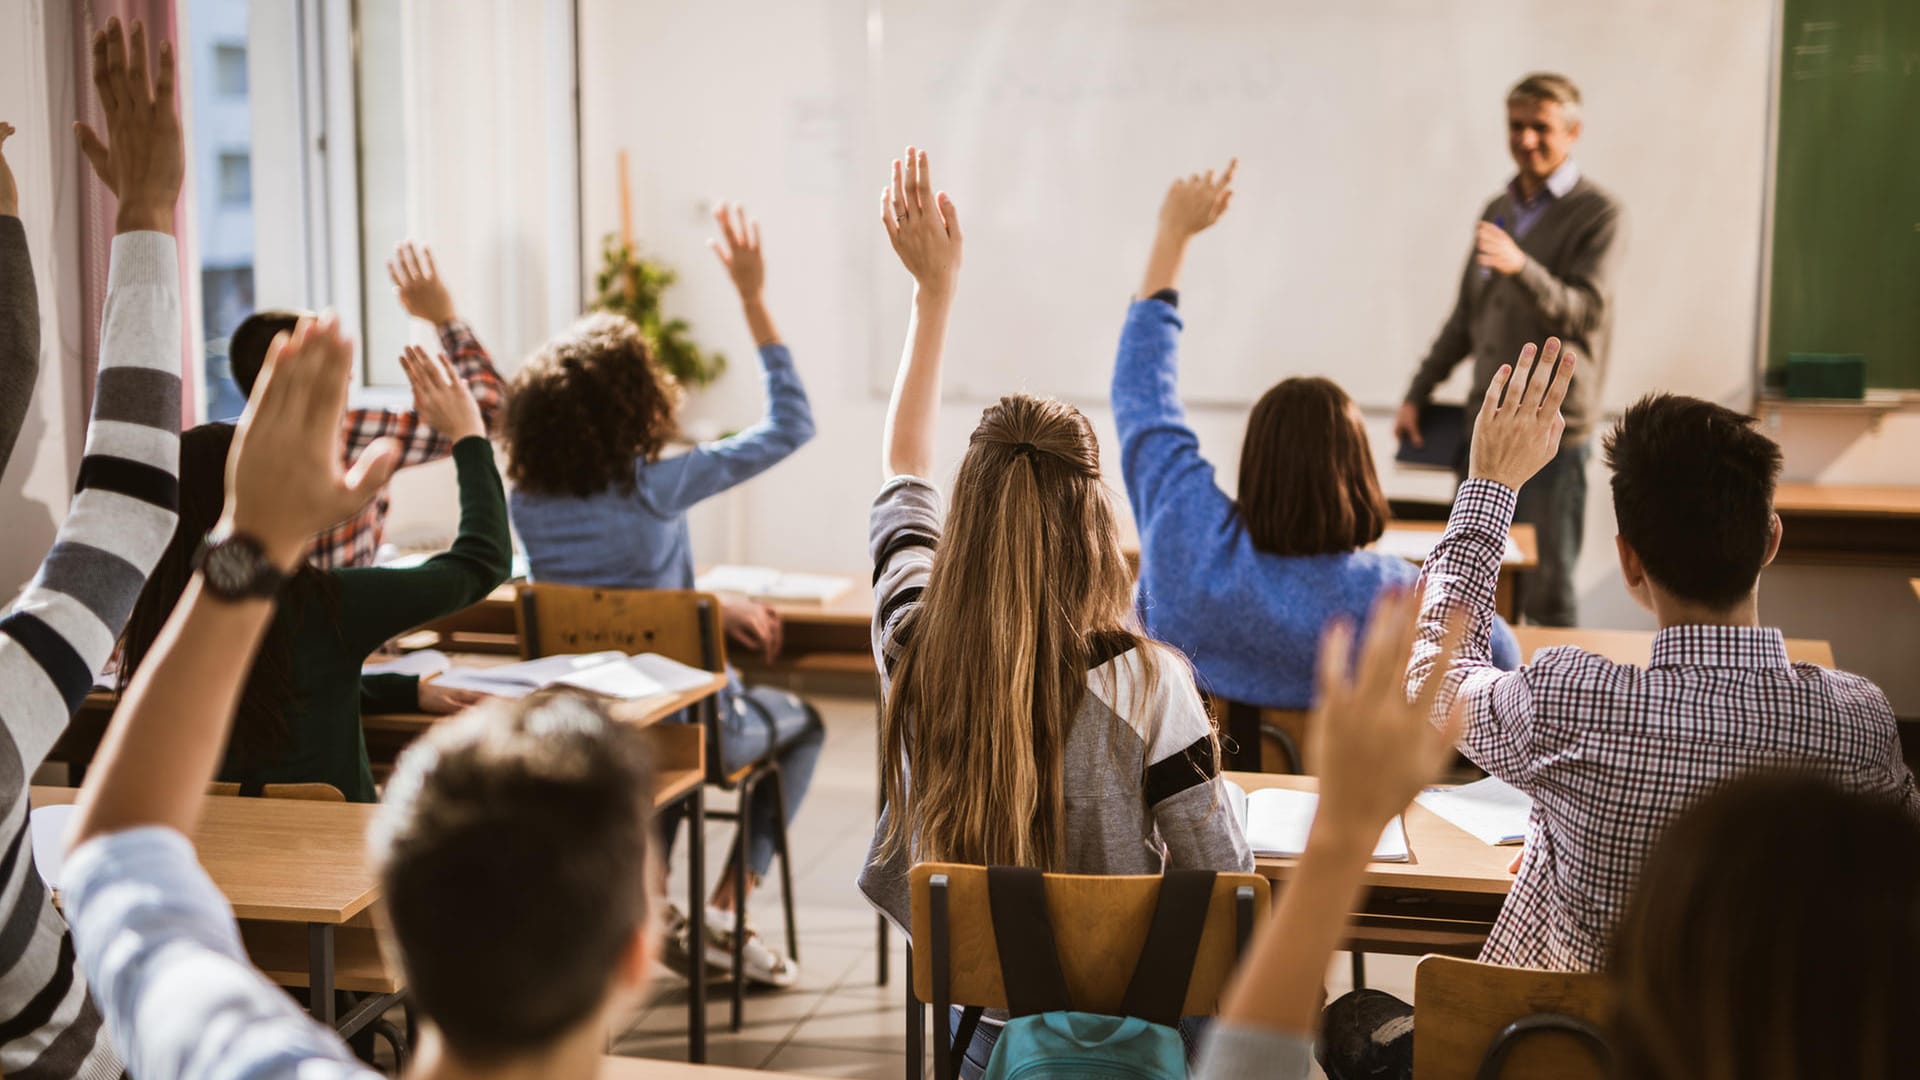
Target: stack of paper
x=770 y=586
x=49 y=825
x=614 y=674
x=1490 y=809
x=1277 y=821
x=422 y=663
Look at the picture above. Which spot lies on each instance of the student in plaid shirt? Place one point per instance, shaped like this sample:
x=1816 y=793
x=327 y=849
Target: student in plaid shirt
x=1612 y=753
x=416 y=281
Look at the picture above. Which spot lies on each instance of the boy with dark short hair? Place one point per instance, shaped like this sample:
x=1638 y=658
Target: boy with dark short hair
x=511 y=849
x=1611 y=753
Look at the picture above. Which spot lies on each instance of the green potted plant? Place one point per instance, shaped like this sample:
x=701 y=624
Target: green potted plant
x=630 y=285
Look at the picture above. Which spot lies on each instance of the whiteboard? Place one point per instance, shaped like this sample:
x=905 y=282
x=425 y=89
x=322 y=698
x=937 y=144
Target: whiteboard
x=1370 y=134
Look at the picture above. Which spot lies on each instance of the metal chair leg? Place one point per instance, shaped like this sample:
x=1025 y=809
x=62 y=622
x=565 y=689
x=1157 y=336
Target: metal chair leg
x=1359 y=970
x=916 y=1026
x=743 y=836
x=786 y=861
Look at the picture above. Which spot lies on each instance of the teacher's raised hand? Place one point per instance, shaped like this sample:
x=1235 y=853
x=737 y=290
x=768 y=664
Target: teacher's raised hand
x=1520 y=424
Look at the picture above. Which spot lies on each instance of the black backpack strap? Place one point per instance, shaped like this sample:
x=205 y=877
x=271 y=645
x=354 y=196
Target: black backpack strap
x=1158 y=990
x=962 y=1036
x=1029 y=959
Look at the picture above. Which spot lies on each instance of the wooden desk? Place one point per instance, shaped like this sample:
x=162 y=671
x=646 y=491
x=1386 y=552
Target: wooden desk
x=1443 y=899
x=1849 y=524
x=1915 y=582
x=490 y=626
x=835 y=638
x=287 y=863
x=1636 y=646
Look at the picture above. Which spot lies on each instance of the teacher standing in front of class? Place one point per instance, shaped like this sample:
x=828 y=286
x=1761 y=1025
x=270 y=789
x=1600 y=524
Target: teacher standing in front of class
x=1542 y=267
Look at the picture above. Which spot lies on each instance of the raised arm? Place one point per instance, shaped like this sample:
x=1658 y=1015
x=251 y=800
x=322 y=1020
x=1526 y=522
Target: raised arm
x=63 y=626
x=1374 y=750
x=1159 y=453
x=379 y=602
x=1517 y=433
x=19 y=312
x=284 y=481
x=424 y=293
x=925 y=231
x=676 y=483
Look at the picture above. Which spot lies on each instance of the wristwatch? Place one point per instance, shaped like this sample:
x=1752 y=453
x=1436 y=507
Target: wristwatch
x=236 y=567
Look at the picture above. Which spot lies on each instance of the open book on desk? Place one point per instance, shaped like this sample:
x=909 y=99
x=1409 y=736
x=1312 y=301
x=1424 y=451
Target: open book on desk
x=770 y=586
x=1277 y=821
x=1493 y=810
x=613 y=674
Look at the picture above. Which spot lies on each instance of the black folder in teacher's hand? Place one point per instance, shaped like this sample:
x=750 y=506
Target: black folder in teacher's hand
x=1443 y=430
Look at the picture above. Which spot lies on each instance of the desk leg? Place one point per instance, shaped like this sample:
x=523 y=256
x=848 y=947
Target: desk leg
x=697 y=931
x=320 y=972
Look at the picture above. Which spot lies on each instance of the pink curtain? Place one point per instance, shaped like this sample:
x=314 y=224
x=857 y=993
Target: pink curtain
x=97 y=203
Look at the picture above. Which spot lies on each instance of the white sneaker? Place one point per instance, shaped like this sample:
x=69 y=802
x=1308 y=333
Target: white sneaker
x=765 y=964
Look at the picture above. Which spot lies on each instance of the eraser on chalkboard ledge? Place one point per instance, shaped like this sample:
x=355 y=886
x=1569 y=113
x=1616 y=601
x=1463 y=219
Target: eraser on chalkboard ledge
x=1831 y=376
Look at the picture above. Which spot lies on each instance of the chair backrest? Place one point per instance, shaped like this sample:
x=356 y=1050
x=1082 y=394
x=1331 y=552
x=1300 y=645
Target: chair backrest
x=1469 y=1009
x=1260 y=739
x=305 y=792
x=678 y=624
x=1100 y=923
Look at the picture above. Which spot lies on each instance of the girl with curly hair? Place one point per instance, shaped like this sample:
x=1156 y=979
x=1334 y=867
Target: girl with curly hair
x=596 y=503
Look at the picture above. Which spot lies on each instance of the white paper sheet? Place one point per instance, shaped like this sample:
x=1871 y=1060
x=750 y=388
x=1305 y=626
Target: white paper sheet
x=1492 y=810
x=423 y=663
x=769 y=585
x=1415 y=545
x=1277 y=821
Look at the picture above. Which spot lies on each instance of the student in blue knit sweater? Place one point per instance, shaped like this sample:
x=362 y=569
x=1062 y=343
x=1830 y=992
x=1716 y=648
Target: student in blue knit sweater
x=1245 y=586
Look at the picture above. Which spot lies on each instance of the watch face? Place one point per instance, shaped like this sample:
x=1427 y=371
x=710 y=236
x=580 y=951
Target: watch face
x=229 y=567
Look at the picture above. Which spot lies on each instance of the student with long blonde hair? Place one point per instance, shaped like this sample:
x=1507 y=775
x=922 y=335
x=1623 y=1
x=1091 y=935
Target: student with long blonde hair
x=1025 y=722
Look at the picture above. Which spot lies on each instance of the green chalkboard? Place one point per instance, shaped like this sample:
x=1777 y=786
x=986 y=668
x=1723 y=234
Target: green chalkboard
x=1846 y=218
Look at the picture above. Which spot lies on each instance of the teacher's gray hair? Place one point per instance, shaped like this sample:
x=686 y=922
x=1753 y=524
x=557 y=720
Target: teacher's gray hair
x=1547 y=86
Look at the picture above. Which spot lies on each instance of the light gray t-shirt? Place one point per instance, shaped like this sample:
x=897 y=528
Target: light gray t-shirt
x=163 y=955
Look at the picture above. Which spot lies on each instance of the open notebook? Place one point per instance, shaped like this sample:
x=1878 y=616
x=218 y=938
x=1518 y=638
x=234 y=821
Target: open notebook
x=612 y=673
x=1492 y=810
x=770 y=586
x=1277 y=821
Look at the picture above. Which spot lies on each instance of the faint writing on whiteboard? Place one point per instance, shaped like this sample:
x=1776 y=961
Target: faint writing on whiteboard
x=1812 y=50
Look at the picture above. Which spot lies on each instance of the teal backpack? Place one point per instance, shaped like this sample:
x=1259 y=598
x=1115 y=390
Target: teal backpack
x=1045 y=1039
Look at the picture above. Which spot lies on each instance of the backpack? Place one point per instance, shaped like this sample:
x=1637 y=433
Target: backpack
x=1045 y=1039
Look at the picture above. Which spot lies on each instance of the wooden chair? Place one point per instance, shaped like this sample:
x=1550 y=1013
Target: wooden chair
x=1483 y=1021
x=1258 y=739
x=1100 y=923
x=304 y=792
x=685 y=626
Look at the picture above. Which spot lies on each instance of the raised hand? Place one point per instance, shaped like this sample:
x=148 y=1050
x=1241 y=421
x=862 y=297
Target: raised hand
x=9 y=191
x=1495 y=250
x=439 y=395
x=738 y=249
x=1192 y=204
x=1520 y=424
x=923 y=227
x=142 y=160
x=416 y=281
x=285 y=480
x=1374 y=749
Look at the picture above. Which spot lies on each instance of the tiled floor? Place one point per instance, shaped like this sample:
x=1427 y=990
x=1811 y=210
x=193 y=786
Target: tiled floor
x=836 y=1022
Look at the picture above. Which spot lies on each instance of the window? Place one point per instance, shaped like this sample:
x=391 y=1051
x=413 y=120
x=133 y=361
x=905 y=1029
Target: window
x=236 y=180
x=230 y=70
x=221 y=155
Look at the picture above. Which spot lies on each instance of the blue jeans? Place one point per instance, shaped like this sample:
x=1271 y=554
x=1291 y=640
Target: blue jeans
x=1554 y=502
x=752 y=720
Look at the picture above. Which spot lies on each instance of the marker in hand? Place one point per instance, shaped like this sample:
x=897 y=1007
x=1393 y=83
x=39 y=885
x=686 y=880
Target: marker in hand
x=1499 y=222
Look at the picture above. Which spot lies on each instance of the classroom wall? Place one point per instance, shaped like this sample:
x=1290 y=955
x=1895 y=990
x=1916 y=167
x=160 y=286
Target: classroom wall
x=37 y=97
x=780 y=123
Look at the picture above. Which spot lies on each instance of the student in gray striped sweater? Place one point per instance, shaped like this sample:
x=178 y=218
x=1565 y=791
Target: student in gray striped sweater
x=61 y=629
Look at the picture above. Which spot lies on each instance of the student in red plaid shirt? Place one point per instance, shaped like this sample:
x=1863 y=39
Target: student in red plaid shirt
x=1612 y=753
x=417 y=283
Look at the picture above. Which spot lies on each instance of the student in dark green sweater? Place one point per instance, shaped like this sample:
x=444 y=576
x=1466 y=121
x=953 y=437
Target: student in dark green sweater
x=299 y=717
